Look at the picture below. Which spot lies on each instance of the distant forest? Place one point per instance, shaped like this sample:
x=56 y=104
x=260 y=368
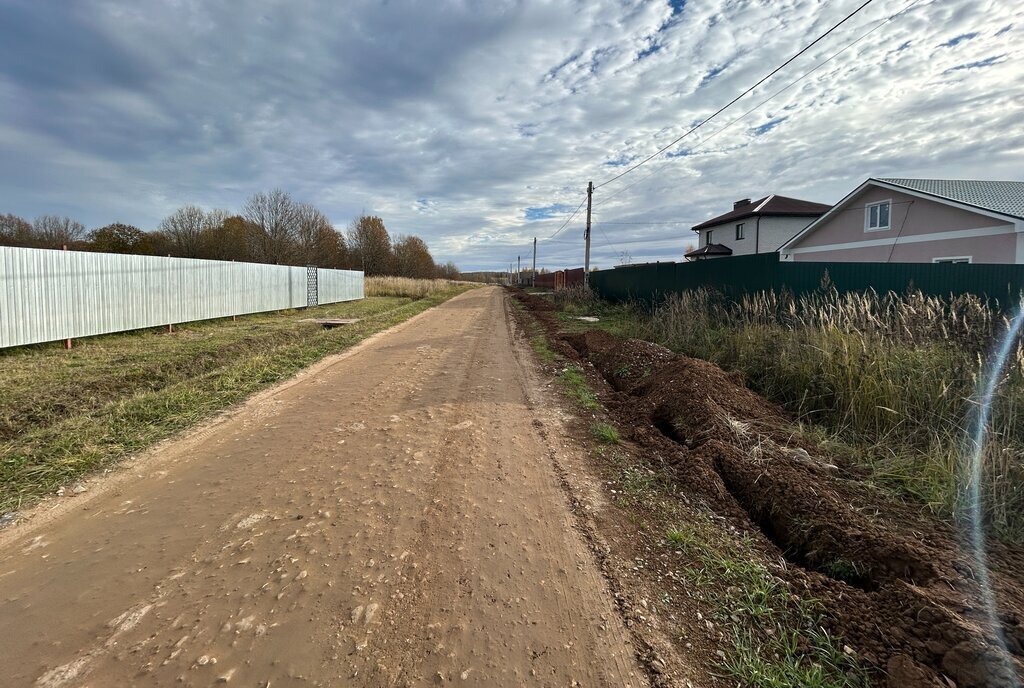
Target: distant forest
x=271 y=228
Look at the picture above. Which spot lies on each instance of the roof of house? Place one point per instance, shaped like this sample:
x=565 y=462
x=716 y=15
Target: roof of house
x=1000 y=197
x=710 y=250
x=769 y=205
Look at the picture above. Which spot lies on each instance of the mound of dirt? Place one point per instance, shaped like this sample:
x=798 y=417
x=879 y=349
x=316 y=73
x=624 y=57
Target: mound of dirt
x=895 y=580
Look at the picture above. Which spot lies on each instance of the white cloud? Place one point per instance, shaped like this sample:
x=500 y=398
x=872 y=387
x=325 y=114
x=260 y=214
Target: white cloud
x=451 y=119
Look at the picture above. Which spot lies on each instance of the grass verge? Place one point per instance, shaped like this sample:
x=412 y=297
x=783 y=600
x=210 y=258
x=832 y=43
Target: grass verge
x=64 y=414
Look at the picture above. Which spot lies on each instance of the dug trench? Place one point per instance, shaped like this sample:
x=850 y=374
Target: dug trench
x=897 y=584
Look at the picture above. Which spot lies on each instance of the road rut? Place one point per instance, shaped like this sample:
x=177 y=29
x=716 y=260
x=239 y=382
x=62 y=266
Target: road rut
x=390 y=518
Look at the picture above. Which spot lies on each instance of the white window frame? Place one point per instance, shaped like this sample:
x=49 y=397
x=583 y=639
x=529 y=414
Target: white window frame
x=953 y=259
x=867 y=216
x=707 y=242
x=740 y=231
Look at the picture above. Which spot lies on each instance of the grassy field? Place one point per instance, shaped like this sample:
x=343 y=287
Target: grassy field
x=64 y=414
x=407 y=286
x=889 y=380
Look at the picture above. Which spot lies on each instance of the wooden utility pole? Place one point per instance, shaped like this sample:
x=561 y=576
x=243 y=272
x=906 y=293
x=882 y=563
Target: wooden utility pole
x=533 y=275
x=519 y=271
x=586 y=259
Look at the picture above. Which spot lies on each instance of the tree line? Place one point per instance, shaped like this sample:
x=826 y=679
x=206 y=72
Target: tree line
x=272 y=227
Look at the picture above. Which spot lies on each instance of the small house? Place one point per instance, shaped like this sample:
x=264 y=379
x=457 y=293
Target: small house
x=760 y=226
x=918 y=221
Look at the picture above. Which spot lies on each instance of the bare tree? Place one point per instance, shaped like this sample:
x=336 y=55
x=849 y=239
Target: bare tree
x=370 y=246
x=412 y=258
x=57 y=231
x=183 y=229
x=319 y=243
x=274 y=217
x=15 y=231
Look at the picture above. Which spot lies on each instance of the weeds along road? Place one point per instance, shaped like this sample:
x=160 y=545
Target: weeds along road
x=391 y=517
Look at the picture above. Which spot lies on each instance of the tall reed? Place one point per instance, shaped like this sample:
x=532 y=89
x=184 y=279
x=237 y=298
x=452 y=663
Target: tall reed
x=408 y=286
x=893 y=376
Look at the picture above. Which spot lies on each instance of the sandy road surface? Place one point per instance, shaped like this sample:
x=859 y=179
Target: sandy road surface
x=391 y=519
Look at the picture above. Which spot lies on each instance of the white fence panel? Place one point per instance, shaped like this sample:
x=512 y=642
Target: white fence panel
x=51 y=295
x=339 y=285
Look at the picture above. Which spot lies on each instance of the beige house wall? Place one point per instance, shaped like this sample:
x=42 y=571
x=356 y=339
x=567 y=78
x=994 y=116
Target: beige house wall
x=915 y=233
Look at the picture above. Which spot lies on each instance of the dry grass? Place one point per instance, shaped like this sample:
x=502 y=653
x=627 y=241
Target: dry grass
x=892 y=378
x=64 y=414
x=409 y=287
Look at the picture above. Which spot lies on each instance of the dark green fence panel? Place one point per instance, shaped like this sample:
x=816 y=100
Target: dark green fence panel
x=741 y=275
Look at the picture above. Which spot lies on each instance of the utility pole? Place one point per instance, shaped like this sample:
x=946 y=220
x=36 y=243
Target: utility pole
x=533 y=275
x=519 y=271
x=586 y=259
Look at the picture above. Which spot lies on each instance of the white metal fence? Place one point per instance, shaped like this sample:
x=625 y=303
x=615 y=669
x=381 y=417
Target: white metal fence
x=52 y=295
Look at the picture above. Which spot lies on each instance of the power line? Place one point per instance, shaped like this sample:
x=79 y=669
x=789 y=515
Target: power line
x=568 y=219
x=727 y=105
x=668 y=222
x=769 y=98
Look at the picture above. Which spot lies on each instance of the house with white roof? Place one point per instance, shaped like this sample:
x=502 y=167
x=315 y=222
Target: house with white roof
x=918 y=221
x=759 y=226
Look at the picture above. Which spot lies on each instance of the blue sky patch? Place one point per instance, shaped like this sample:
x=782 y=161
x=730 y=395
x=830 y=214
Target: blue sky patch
x=980 y=64
x=646 y=52
x=959 y=39
x=710 y=76
x=769 y=125
x=547 y=212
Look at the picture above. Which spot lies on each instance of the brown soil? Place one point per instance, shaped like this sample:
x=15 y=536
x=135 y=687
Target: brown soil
x=898 y=584
x=393 y=517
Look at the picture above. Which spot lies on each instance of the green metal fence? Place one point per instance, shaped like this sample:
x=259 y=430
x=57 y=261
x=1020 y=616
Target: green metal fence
x=739 y=275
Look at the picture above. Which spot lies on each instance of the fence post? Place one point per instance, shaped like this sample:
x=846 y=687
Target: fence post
x=170 y=326
x=67 y=342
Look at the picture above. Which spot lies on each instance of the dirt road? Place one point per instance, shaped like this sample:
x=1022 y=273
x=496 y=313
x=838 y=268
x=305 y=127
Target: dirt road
x=392 y=517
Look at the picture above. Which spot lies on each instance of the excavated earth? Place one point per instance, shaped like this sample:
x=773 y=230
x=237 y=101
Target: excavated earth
x=898 y=584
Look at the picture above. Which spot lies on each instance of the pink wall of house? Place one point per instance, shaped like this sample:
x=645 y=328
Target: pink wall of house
x=991 y=249
x=910 y=216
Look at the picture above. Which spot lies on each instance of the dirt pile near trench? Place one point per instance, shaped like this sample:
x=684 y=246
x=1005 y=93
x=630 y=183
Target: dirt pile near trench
x=896 y=582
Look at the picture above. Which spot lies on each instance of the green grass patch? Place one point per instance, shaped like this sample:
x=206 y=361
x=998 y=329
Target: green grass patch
x=539 y=344
x=577 y=389
x=777 y=639
x=64 y=414
x=603 y=432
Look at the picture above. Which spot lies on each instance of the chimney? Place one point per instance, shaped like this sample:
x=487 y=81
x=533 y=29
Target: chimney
x=742 y=201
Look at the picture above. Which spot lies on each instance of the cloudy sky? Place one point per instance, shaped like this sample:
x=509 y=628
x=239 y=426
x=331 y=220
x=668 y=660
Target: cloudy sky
x=478 y=124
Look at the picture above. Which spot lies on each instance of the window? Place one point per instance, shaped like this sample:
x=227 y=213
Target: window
x=708 y=242
x=876 y=216
x=739 y=231
x=953 y=259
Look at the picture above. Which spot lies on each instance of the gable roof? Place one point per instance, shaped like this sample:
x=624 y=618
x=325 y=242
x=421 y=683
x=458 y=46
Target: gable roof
x=1005 y=199
x=710 y=250
x=769 y=205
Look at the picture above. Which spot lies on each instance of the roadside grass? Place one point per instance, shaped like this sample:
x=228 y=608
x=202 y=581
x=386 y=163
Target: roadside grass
x=603 y=432
x=576 y=388
x=886 y=381
x=65 y=414
x=773 y=636
x=778 y=639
